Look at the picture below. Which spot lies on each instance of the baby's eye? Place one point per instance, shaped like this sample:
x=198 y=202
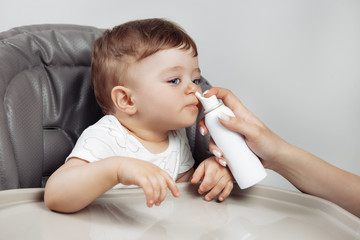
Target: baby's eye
x=175 y=81
x=197 y=81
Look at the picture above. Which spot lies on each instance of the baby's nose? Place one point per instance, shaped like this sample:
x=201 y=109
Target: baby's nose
x=191 y=88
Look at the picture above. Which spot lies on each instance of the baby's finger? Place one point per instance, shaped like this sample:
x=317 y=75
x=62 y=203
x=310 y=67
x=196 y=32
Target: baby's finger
x=219 y=186
x=226 y=191
x=148 y=191
x=172 y=186
x=208 y=181
x=156 y=188
x=163 y=192
x=199 y=173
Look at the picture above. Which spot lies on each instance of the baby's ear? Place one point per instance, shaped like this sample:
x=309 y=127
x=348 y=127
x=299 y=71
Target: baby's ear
x=121 y=97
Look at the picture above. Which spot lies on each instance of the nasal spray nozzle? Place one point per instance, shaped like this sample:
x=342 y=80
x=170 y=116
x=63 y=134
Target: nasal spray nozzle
x=243 y=163
x=208 y=104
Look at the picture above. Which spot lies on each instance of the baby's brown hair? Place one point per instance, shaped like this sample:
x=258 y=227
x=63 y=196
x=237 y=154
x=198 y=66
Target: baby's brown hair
x=133 y=41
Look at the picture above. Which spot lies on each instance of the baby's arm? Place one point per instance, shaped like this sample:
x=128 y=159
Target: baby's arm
x=216 y=179
x=78 y=183
x=186 y=176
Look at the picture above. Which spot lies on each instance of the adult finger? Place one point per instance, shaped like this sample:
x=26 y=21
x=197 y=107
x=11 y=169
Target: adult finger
x=202 y=127
x=217 y=153
x=237 y=125
x=229 y=99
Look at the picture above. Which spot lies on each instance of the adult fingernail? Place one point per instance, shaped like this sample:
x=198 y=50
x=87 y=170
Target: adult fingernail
x=202 y=131
x=205 y=92
x=222 y=162
x=216 y=153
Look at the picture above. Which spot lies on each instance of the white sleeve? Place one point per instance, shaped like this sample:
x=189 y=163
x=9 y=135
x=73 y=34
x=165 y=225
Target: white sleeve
x=187 y=160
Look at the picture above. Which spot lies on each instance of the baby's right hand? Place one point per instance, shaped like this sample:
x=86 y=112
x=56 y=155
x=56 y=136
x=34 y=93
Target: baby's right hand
x=153 y=180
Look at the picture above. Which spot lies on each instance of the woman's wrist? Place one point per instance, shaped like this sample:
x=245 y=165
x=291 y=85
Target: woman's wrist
x=281 y=160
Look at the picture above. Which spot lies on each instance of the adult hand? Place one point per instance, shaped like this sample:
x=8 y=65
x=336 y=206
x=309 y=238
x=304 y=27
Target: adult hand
x=260 y=139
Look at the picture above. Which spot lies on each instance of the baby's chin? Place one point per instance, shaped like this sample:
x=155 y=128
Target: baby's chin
x=183 y=122
x=189 y=123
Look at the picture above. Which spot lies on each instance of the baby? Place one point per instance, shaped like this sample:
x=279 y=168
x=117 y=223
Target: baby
x=145 y=74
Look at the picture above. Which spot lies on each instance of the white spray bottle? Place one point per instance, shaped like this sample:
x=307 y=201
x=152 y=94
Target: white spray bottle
x=243 y=163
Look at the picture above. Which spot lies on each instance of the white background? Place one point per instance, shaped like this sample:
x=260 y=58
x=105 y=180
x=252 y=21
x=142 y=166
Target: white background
x=294 y=63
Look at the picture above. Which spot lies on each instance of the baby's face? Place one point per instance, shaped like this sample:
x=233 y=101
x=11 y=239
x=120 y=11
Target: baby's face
x=164 y=85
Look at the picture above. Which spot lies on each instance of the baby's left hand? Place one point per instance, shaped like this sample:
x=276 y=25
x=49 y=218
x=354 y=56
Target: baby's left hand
x=216 y=179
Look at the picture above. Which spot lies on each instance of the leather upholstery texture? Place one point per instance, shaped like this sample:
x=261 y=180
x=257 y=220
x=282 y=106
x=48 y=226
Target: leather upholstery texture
x=46 y=101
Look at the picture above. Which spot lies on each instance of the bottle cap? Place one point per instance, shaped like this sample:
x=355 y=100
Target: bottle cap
x=210 y=103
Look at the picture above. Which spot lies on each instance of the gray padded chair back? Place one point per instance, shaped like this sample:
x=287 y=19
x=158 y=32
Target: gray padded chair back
x=46 y=101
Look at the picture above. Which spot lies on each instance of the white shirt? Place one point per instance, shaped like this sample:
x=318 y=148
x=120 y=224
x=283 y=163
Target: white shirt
x=107 y=138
